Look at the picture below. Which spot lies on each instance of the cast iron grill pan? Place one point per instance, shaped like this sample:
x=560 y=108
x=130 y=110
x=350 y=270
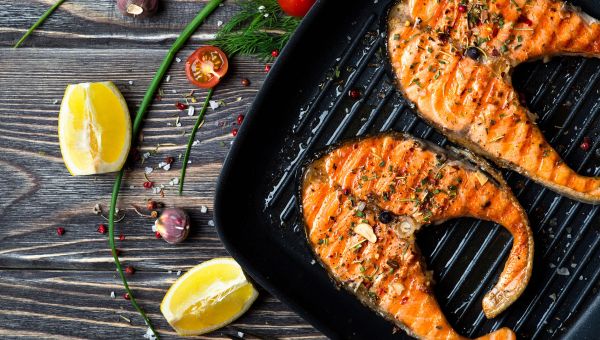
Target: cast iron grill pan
x=303 y=107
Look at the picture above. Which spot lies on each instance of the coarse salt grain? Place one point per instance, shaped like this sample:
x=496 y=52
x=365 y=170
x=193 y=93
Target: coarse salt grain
x=178 y=59
x=313 y=262
x=203 y=209
x=149 y=334
x=196 y=142
x=211 y=223
x=240 y=334
x=562 y=271
x=213 y=104
x=112 y=295
x=148 y=170
x=178 y=272
x=191 y=110
x=168 y=79
x=131 y=82
x=219 y=23
x=155 y=228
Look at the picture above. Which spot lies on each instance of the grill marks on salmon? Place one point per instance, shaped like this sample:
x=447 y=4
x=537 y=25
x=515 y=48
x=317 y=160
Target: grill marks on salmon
x=472 y=101
x=364 y=201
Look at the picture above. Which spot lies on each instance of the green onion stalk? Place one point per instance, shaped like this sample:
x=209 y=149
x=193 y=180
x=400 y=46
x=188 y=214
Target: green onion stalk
x=38 y=22
x=137 y=123
x=191 y=139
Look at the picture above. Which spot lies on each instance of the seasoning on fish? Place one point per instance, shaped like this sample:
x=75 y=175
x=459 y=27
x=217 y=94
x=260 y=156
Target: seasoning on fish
x=401 y=184
x=455 y=64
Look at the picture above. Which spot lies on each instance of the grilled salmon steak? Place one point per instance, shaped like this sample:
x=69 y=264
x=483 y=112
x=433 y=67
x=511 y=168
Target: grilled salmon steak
x=453 y=59
x=363 y=202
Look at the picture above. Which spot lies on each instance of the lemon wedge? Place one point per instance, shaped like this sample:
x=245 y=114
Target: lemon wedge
x=209 y=296
x=94 y=128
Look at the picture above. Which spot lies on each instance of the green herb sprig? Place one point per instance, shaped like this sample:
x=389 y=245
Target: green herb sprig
x=259 y=28
x=188 y=149
x=38 y=22
x=137 y=124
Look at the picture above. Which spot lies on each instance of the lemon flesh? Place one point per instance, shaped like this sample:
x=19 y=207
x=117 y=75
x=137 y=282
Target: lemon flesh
x=94 y=128
x=209 y=296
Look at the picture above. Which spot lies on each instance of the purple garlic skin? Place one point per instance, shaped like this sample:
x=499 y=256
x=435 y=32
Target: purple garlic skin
x=137 y=8
x=173 y=225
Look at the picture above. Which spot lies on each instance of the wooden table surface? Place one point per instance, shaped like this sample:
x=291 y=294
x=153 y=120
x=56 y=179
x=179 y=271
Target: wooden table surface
x=60 y=287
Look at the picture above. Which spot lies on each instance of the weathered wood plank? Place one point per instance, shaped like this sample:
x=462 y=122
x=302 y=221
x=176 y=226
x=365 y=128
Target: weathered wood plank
x=98 y=24
x=41 y=195
x=78 y=305
x=59 y=287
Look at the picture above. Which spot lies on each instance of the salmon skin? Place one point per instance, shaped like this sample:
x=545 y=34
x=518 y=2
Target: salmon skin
x=363 y=202
x=454 y=59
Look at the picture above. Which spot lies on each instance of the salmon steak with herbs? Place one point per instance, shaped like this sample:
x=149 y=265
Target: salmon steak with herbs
x=453 y=59
x=363 y=202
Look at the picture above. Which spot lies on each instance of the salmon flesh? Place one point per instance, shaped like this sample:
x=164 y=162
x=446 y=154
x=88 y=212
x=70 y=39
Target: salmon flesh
x=454 y=59
x=363 y=202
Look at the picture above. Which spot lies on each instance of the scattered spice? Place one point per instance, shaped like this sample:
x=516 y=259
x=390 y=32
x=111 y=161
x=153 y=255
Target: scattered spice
x=245 y=82
x=240 y=119
x=157 y=234
x=121 y=237
x=385 y=217
x=60 y=231
x=210 y=7
x=275 y=53
x=354 y=94
x=267 y=68
x=151 y=205
x=102 y=229
x=148 y=185
x=181 y=106
x=126 y=296
x=97 y=209
x=129 y=270
x=586 y=144
x=234 y=132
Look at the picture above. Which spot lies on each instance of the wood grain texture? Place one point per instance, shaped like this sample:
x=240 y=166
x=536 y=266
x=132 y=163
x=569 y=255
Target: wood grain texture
x=59 y=287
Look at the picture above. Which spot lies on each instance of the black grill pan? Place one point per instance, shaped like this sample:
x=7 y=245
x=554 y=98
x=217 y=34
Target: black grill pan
x=303 y=107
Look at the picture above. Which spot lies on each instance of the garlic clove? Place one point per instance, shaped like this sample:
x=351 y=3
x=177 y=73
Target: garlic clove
x=481 y=177
x=366 y=231
x=137 y=8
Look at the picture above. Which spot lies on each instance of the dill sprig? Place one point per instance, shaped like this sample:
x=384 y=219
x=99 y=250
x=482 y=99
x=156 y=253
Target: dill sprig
x=259 y=28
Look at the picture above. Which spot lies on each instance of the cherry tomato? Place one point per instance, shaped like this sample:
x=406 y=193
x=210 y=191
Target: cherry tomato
x=296 y=8
x=206 y=66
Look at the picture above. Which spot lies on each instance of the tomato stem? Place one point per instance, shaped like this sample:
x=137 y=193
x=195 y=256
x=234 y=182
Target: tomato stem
x=191 y=140
x=137 y=124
